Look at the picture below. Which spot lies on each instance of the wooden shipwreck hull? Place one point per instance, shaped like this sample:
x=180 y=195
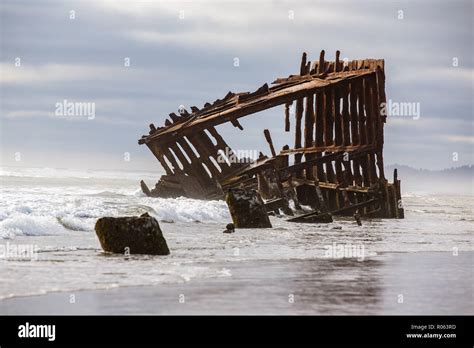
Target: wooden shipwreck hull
x=335 y=164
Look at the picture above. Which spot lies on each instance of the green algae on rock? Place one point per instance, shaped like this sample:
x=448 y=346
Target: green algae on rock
x=131 y=234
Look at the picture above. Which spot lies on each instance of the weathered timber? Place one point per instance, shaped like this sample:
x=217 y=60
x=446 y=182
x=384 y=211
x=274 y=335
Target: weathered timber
x=273 y=98
x=335 y=165
x=268 y=137
x=178 y=185
x=276 y=204
x=247 y=209
x=315 y=216
x=287 y=117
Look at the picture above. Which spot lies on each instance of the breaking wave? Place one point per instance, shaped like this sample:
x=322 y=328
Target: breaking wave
x=29 y=226
x=189 y=210
x=31 y=216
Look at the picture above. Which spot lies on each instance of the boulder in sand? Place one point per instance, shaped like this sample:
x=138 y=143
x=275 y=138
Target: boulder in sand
x=140 y=234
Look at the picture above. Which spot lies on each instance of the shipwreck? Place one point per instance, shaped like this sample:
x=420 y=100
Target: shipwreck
x=334 y=165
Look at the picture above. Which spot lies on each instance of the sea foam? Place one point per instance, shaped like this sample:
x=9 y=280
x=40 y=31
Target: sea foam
x=29 y=226
x=31 y=218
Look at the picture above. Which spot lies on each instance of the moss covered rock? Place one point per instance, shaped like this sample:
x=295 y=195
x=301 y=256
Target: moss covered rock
x=247 y=209
x=140 y=234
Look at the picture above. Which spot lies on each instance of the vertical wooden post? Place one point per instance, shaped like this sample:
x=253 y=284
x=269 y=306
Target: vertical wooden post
x=287 y=117
x=329 y=117
x=338 y=123
x=354 y=90
x=380 y=121
x=321 y=63
x=309 y=121
x=319 y=134
x=308 y=133
x=362 y=112
x=369 y=111
x=268 y=137
x=345 y=114
x=299 y=114
x=329 y=141
x=371 y=126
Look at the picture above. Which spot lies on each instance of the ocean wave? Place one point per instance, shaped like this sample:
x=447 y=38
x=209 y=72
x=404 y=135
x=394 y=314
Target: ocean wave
x=30 y=226
x=76 y=224
x=47 y=218
x=188 y=210
x=109 y=194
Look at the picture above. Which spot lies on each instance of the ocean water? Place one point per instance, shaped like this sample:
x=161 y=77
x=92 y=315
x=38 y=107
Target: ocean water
x=54 y=212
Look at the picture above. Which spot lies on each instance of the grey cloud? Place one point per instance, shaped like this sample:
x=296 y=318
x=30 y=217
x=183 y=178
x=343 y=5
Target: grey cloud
x=190 y=62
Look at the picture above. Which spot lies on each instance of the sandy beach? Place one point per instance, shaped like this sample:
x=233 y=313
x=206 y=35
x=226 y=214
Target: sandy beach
x=432 y=283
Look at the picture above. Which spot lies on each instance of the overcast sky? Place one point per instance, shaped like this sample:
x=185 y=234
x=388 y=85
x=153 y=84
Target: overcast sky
x=183 y=53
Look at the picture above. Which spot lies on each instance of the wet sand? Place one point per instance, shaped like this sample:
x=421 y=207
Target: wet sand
x=431 y=283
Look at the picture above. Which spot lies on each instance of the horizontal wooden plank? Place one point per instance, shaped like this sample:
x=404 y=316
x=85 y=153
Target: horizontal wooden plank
x=331 y=148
